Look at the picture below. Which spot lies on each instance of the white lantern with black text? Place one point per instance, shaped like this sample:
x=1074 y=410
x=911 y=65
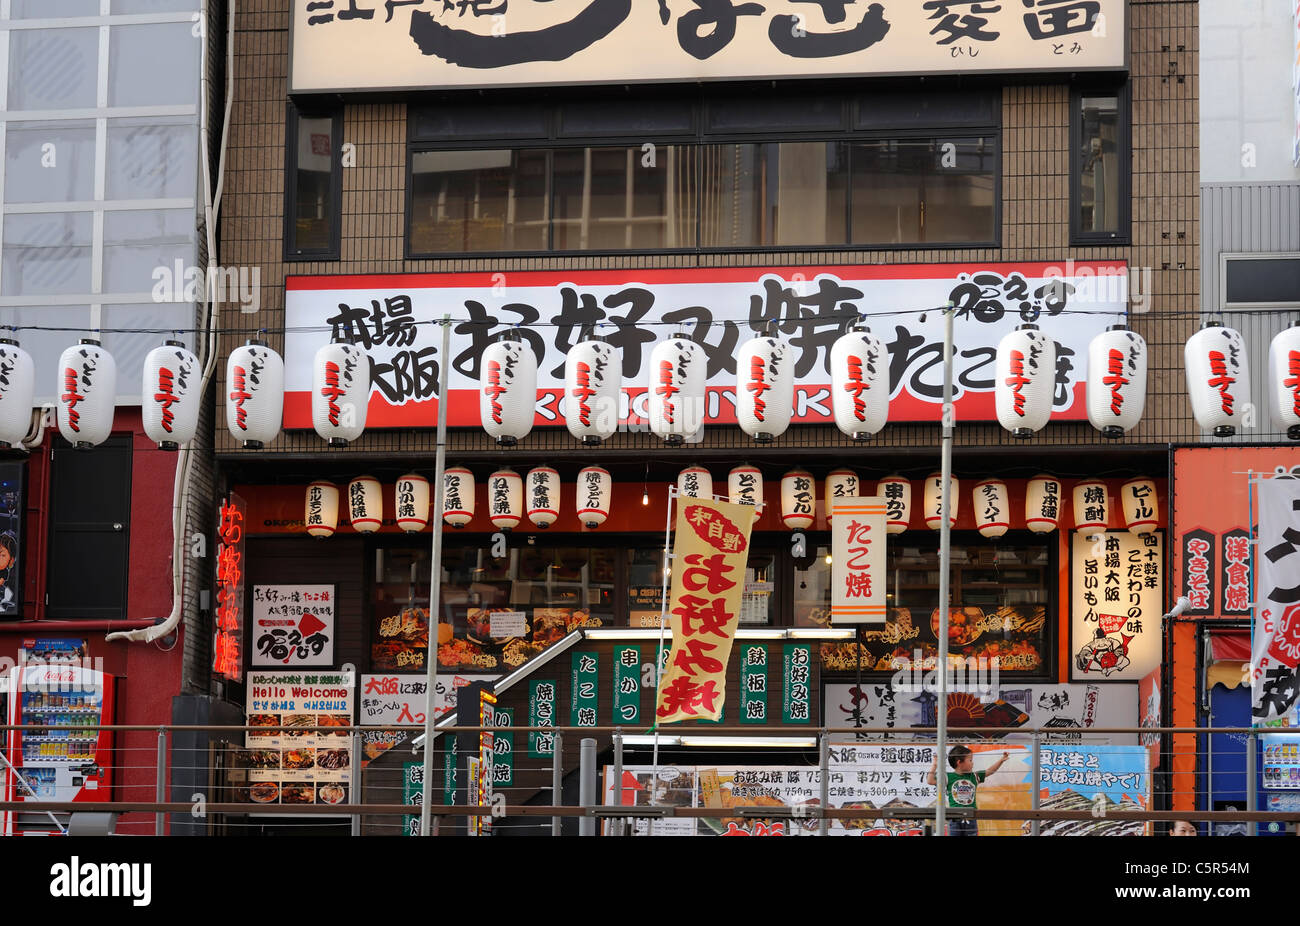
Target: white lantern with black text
x=1091 y=506
x=505 y=499
x=840 y=483
x=507 y=395
x=745 y=487
x=340 y=393
x=897 y=493
x=695 y=482
x=1025 y=380
x=457 y=496
x=87 y=391
x=764 y=388
x=17 y=388
x=411 y=502
x=677 y=377
x=992 y=508
x=798 y=499
x=1218 y=378
x=859 y=384
x=1141 y=509
x=365 y=504
x=1117 y=380
x=1043 y=504
x=934 y=500
x=322 y=514
x=1284 y=380
x=254 y=394
x=592 y=383
x=594 y=488
x=169 y=395
x=543 y=496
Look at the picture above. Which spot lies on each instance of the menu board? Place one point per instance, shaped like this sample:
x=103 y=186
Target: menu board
x=285 y=761
x=293 y=625
x=645 y=605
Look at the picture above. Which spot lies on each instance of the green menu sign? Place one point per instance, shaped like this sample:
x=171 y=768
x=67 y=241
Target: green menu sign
x=541 y=713
x=627 y=684
x=796 y=697
x=412 y=795
x=753 y=684
x=586 y=672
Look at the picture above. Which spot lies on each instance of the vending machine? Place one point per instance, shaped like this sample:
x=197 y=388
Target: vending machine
x=60 y=753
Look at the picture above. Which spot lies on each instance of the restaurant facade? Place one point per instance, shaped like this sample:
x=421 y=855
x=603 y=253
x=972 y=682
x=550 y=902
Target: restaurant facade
x=672 y=181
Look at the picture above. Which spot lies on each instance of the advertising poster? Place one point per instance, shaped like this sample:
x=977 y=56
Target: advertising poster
x=1276 y=658
x=858 y=579
x=1104 y=780
x=402 y=701
x=11 y=533
x=285 y=762
x=293 y=625
x=1117 y=583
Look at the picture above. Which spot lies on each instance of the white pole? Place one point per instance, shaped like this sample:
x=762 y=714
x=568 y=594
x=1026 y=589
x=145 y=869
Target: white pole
x=945 y=564
x=435 y=578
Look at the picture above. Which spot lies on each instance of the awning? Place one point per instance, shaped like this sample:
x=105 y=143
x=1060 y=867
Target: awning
x=1229 y=658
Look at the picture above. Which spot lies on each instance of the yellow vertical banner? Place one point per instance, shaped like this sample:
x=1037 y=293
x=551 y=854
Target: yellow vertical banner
x=710 y=549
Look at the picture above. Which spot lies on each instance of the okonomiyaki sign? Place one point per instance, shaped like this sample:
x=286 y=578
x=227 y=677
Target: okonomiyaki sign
x=392 y=318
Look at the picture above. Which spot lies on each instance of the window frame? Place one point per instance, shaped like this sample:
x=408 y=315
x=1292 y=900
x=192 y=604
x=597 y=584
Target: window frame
x=697 y=138
x=293 y=115
x=1227 y=257
x=1123 y=236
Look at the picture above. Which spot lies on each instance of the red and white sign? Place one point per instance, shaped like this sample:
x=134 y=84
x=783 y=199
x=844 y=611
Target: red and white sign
x=719 y=307
x=293 y=625
x=858 y=579
x=1276 y=656
x=228 y=634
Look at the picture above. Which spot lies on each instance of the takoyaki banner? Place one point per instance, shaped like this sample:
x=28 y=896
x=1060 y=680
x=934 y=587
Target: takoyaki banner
x=393 y=318
x=340 y=45
x=1117 y=582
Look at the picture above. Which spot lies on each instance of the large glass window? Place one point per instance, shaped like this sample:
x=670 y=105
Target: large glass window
x=1100 y=134
x=53 y=68
x=50 y=162
x=479 y=201
x=153 y=64
x=151 y=158
x=47 y=253
x=932 y=191
x=137 y=242
x=759 y=602
x=313 y=185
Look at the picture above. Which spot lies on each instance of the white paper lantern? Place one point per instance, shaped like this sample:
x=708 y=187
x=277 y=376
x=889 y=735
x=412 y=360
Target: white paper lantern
x=1117 y=380
x=1043 y=504
x=340 y=393
x=1284 y=380
x=17 y=387
x=365 y=504
x=764 y=388
x=841 y=483
x=934 y=500
x=1025 y=381
x=1218 y=378
x=457 y=496
x=505 y=499
x=677 y=377
x=1141 y=508
x=87 y=391
x=897 y=493
x=593 y=491
x=695 y=482
x=798 y=499
x=745 y=486
x=543 y=496
x=1091 y=506
x=169 y=395
x=507 y=392
x=322 y=515
x=992 y=507
x=411 y=502
x=859 y=383
x=592 y=383
x=254 y=394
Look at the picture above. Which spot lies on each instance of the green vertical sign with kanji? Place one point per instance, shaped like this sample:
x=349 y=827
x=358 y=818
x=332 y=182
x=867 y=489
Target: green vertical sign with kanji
x=449 y=771
x=541 y=713
x=627 y=685
x=412 y=795
x=503 y=750
x=753 y=683
x=796 y=696
x=586 y=683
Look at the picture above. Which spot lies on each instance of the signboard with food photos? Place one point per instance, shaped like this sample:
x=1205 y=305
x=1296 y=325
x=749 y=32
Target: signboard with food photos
x=298 y=750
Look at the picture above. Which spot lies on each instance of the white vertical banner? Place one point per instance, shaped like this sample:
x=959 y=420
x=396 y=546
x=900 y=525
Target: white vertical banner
x=858 y=579
x=1276 y=654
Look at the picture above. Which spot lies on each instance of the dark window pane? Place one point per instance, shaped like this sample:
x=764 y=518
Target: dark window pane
x=478 y=201
x=623 y=118
x=1099 y=166
x=777 y=194
x=442 y=122
x=762 y=114
x=1275 y=280
x=958 y=191
x=312 y=185
x=927 y=110
x=887 y=191
x=924 y=191
x=612 y=198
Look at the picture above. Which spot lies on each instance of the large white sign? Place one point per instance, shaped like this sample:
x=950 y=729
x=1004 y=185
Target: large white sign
x=293 y=625
x=343 y=45
x=392 y=318
x=1117 y=582
x=403 y=700
x=1277 y=599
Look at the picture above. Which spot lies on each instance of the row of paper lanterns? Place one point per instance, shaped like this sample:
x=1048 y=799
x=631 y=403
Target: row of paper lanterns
x=1218 y=381
x=537 y=496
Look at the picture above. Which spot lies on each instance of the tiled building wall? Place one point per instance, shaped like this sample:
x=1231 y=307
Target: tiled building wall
x=1035 y=227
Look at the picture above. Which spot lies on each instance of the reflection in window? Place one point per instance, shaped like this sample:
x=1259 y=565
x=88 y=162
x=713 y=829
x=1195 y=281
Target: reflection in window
x=1099 y=178
x=154 y=64
x=775 y=194
x=137 y=242
x=618 y=198
x=923 y=191
x=47 y=254
x=479 y=201
x=154 y=158
x=312 y=186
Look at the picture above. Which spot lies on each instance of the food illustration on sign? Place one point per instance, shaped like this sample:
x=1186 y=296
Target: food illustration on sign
x=1104 y=653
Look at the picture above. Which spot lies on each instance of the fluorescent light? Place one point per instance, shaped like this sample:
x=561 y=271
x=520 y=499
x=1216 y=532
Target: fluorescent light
x=747 y=633
x=627 y=633
x=750 y=742
x=642 y=740
x=821 y=633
